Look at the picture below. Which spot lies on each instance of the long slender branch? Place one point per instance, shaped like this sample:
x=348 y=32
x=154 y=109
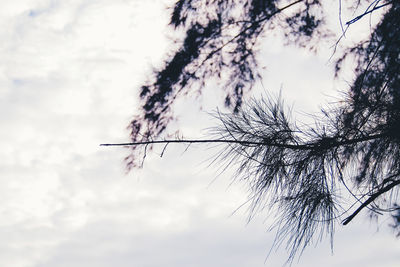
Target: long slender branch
x=193 y=141
x=307 y=146
x=371 y=199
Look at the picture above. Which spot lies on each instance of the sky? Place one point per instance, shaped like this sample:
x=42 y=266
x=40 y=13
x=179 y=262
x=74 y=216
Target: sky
x=69 y=79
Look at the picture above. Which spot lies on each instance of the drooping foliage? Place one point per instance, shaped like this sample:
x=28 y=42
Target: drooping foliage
x=300 y=171
x=220 y=40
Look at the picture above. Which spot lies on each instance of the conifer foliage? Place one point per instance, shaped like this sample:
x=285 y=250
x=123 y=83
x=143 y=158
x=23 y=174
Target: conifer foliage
x=299 y=170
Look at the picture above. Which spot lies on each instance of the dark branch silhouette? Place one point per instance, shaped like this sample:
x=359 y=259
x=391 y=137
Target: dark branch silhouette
x=371 y=199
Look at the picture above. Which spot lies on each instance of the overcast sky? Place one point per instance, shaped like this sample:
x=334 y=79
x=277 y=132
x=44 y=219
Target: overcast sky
x=69 y=75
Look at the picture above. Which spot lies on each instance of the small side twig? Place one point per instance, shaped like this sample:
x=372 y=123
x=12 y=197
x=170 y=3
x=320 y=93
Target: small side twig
x=162 y=152
x=144 y=155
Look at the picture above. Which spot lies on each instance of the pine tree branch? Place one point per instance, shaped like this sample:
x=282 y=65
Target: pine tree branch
x=307 y=146
x=367 y=12
x=193 y=141
x=248 y=28
x=371 y=199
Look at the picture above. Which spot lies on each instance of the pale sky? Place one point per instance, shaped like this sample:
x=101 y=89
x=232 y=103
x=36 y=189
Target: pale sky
x=69 y=79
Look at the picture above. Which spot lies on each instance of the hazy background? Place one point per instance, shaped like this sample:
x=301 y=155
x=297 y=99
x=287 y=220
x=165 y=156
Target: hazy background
x=69 y=75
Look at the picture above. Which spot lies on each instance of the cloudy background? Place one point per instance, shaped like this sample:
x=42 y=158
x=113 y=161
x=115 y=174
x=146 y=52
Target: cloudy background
x=69 y=73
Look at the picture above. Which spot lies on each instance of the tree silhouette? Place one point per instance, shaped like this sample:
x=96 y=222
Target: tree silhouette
x=299 y=169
